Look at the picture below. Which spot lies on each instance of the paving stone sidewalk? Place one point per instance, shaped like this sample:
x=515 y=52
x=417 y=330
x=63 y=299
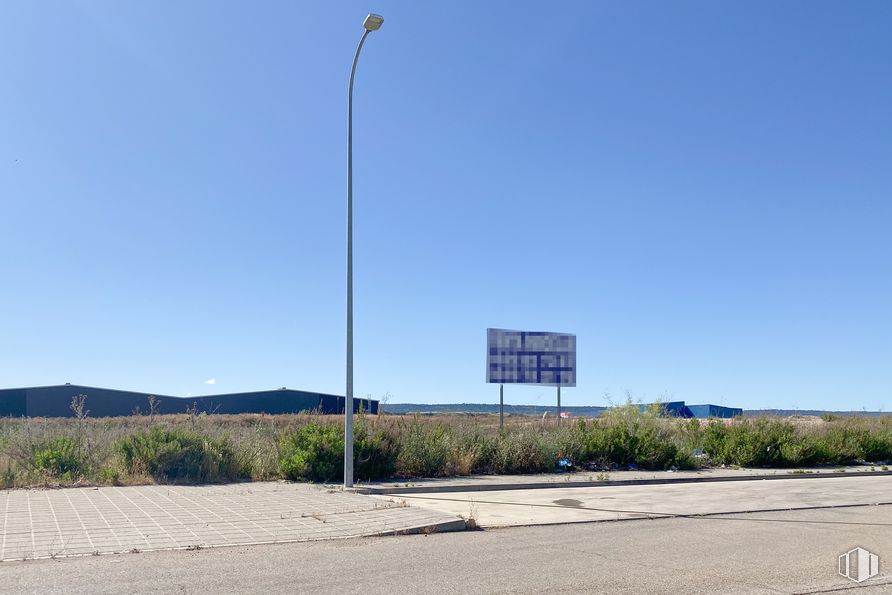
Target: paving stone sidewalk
x=85 y=521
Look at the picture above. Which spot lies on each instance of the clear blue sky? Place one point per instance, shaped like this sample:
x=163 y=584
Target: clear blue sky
x=701 y=191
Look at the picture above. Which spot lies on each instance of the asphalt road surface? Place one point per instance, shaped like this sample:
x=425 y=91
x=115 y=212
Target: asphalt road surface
x=777 y=552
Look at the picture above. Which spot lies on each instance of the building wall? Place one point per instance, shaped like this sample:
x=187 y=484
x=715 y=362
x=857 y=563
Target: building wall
x=55 y=401
x=13 y=402
x=680 y=409
x=670 y=408
x=706 y=411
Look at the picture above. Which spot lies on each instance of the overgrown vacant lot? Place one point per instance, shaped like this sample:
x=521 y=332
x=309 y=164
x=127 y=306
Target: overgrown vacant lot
x=219 y=448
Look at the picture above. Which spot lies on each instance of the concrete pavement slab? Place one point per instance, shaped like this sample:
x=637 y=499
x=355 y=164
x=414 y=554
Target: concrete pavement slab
x=471 y=483
x=610 y=503
x=80 y=521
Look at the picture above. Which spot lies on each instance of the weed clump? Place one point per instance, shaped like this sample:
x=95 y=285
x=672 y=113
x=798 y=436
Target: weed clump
x=524 y=450
x=59 y=457
x=316 y=452
x=625 y=436
x=374 y=451
x=423 y=448
x=176 y=455
x=753 y=443
x=775 y=443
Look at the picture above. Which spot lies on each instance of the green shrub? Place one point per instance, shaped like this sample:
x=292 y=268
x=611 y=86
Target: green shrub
x=625 y=436
x=314 y=451
x=7 y=479
x=850 y=441
x=110 y=475
x=713 y=440
x=799 y=451
x=765 y=442
x=839 y=445
x=876 y=447
x=423 y=449
x=177 y=455
x=756 y=443
x=524 y=450
x=570 y=441
x=655 y=451
x=60 y=457
x=612 y=443
x=374 y=452
x=466 y=458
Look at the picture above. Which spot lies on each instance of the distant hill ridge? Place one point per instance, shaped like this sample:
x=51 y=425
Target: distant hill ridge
x=585 y=411
x=403 y=408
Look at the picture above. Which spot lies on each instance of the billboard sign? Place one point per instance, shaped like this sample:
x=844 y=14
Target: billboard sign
x=530 y=357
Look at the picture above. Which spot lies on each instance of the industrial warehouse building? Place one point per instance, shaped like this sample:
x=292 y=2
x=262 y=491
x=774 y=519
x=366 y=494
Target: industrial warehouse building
x=680 y=409
x=55 y=401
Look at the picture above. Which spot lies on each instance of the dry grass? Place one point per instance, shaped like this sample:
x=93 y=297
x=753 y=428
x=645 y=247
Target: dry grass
x=449 y=444
x=256 y=437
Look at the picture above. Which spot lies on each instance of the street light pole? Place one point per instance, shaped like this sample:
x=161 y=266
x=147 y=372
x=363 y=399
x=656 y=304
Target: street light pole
x=372 y=23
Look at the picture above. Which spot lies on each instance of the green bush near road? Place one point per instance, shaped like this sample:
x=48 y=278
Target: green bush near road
x=777 y=443
x=630 y=438
x=422 y=449
x=750 y=443
x=374 y=451
x=523 y=450
x=179 y=455
x=316 y=452
x=59 y=457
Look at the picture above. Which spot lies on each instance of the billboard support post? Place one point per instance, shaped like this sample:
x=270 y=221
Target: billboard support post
x=501 y=406
x=559 y=404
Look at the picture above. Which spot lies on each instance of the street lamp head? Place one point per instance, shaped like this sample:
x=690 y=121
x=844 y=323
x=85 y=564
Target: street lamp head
x=373 y=22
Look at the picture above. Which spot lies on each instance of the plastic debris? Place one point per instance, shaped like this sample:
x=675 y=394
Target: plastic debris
x=565 y=464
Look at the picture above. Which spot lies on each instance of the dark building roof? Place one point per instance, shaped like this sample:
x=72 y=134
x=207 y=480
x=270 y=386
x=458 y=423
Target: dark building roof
x=55 y=401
